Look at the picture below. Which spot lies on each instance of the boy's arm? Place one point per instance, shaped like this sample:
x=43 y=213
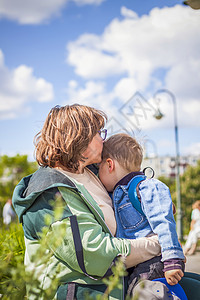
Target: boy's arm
x=156 y=203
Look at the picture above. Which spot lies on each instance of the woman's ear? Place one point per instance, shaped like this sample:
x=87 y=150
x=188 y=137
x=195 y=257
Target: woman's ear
x=110 y=164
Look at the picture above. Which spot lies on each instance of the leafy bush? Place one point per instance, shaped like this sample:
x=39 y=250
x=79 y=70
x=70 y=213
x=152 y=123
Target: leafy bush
x=190 y=192
x=13 y=277
x=12 y=262
x=12 y=169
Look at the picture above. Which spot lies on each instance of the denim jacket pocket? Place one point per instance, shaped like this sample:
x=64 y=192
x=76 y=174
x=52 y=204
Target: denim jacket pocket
x=129 y=217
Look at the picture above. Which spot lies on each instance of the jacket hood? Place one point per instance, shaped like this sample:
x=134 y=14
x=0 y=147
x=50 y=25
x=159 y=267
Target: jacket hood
x=30 y=187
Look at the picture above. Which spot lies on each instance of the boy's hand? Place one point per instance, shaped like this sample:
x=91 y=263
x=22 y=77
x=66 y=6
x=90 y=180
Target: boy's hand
x=174 y=276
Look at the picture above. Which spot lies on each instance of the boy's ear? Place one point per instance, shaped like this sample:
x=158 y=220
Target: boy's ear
x=110 y=164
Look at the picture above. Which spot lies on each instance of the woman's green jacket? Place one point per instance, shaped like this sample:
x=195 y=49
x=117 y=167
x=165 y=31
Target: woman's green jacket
x=32 y=200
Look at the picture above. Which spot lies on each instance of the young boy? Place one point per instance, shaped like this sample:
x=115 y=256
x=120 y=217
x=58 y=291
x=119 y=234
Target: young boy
x=121 y=162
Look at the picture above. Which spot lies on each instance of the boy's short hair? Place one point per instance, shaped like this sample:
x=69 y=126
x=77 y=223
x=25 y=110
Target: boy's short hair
x=125 y=150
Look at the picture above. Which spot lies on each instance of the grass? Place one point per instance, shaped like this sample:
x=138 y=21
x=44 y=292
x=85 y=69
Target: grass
x=11 y=261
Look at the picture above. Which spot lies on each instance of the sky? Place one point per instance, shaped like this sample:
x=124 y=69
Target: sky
x=125 y=57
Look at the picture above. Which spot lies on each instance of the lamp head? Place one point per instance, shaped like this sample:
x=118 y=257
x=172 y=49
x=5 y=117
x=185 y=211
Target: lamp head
x=158 y=115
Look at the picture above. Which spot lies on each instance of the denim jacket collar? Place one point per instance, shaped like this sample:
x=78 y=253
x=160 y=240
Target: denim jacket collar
x=125 y=180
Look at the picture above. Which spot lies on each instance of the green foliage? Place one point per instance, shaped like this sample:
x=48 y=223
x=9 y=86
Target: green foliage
x=114 y=281
x=11 y=262
x=12 y=169
x=17 y=167
x=190 y=192
x=13 y=277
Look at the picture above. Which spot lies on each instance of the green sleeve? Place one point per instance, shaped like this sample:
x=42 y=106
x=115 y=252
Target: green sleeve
x=99 y=247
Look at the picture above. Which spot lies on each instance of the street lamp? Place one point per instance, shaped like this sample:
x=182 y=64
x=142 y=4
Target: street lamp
x=158 y=115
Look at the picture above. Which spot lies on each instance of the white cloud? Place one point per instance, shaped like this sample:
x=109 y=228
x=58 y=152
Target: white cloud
x=85 y=2
x=184 y=78
x=91 y=90
x=37 y=11
x=137 y=49
x=193 y=149
x=138 y=46
x=165 y=143
x=19 y=87
x=89 y=61
x=125 y=88
x=93 y=94
x=30 y=12
x=128 y=13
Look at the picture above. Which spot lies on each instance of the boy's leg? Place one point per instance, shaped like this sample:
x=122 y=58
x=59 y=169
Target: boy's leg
x=151 y=290
x=150 y=269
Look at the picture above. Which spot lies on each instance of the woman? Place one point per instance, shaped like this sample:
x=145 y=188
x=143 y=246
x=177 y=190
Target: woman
x=71 y=139
x=194 y=234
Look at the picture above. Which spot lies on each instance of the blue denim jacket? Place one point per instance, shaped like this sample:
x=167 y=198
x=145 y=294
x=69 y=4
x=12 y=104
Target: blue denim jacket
x=156 y=204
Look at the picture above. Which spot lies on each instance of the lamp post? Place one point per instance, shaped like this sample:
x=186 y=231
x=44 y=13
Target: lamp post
x=158 y=115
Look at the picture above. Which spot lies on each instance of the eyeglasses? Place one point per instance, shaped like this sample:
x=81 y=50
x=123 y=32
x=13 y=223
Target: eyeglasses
x=103 y=134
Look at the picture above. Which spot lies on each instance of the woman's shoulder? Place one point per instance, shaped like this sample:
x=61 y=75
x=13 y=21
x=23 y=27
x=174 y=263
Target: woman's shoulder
x=46 y=177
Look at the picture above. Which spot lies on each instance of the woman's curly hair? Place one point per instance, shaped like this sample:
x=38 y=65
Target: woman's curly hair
x=66 y=134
